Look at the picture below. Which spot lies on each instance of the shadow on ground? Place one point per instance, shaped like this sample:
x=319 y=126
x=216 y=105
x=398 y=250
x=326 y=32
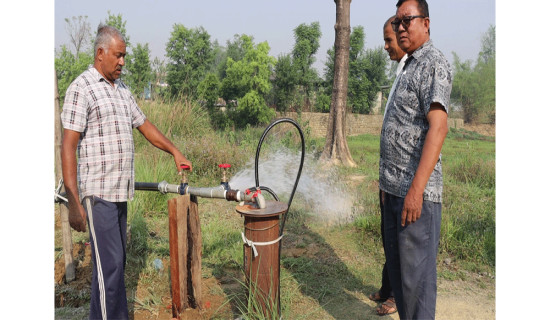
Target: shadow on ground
x=322 y=276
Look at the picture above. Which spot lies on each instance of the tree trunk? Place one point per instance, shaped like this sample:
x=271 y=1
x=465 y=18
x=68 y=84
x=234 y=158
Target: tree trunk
x=336 y=146
x=63 y=210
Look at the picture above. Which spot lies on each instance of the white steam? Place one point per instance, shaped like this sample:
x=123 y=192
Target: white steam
x=320 y=190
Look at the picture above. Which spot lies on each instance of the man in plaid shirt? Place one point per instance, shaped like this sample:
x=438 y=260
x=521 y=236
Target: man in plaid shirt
x=98 y=116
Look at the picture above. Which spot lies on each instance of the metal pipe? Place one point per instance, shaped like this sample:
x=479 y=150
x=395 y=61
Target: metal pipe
x=218 y=192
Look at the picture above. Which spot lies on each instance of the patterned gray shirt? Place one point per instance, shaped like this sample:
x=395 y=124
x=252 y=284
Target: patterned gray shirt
x=426 y=79
x=105 y=116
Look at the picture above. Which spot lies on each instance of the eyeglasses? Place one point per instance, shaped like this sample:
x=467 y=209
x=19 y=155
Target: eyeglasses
x=406 y=22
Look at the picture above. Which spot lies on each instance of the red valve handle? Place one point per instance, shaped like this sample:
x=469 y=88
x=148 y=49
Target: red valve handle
x=224 y=165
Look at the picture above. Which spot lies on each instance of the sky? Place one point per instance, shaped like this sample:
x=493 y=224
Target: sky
x=455 y=25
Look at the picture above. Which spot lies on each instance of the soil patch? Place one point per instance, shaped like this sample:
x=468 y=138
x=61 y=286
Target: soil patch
x=483 y=129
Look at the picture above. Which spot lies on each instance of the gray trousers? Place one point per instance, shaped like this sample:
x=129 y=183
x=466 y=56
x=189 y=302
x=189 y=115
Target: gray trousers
x=411 y=253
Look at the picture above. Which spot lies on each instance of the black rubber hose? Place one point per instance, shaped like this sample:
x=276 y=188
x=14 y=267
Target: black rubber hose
x=274 y=123
x=147 y=186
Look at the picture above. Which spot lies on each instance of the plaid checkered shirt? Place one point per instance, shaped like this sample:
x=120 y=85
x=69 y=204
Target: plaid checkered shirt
x=105 y=116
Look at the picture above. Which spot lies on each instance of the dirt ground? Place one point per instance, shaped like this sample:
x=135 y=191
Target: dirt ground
x=484 y=129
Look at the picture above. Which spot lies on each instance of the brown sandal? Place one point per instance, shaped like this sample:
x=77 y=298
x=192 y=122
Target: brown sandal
x=387 y=307
x=375 y=296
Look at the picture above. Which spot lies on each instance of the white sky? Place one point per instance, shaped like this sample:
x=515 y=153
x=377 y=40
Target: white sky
x=455 y=25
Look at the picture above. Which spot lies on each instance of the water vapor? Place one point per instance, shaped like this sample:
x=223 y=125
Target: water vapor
x=320 y=190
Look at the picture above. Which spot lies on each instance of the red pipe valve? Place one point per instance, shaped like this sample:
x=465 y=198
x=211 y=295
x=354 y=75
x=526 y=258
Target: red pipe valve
x=224 y=167
x=183 y=173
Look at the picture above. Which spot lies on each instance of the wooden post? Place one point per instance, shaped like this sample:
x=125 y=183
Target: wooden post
x=185 y=254
x=195 y=253
x=63 y=210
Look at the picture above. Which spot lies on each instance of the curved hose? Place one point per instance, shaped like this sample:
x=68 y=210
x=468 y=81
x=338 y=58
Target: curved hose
x=274 y=123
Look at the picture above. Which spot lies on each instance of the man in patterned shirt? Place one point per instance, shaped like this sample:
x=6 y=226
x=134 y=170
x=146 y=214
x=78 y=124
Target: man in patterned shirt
x=413 y=133
x=98 y=116
x=385 y=294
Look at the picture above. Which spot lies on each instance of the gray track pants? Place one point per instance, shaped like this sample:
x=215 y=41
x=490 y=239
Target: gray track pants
x=411 y=253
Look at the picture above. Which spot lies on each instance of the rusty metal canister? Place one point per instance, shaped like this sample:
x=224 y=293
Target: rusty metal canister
x=261 y=253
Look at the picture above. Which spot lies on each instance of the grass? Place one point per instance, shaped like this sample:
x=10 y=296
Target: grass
x=326 y=270
x=468 y=221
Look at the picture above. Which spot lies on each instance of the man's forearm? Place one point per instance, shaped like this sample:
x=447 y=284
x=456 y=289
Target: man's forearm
x=77 y=216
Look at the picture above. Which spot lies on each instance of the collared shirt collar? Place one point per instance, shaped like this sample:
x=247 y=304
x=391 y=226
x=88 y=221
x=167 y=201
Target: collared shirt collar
x=401 y=64
x=98 y=76
x=419 y=52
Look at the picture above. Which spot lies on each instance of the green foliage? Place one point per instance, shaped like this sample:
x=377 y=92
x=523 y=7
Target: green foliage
x=247 y=81
x=252 y=110
x=367 y=72
x=322 y=104
x=208 y=90
x=158 y=69
x=190 y=55
x=139 y=69
x=67 y=68
x=474 y=85
x=305 y=47
x=235 y=49
x=284 y=84
x=117 y=22
x=306 y=44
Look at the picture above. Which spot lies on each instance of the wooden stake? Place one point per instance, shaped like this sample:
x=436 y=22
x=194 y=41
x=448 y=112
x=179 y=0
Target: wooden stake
x=63 y=210
x=195 y=254
x=185 y=254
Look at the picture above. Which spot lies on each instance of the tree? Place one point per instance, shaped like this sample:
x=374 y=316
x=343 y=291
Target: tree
x=248 y=82
x=474 y=85
x=284 y=83
x=488 y=45
x=117 y=22
x=336 y=147
x=78 y=29
x=303 y=54
x=209 y=90
x=366 y=72
x=68 y=67
x=235 y=50
x=159 y=77
x=139 y=69
x=190 y=55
